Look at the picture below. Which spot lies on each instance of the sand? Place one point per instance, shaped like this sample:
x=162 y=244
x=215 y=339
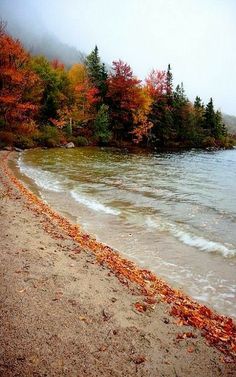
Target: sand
x=64 y=314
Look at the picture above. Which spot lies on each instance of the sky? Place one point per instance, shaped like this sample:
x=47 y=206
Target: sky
x=197 y=37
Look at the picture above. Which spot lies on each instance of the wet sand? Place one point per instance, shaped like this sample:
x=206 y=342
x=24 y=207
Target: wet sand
x=64 y=314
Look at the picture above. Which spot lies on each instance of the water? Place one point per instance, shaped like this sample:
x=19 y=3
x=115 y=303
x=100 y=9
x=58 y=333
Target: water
x=174 y=213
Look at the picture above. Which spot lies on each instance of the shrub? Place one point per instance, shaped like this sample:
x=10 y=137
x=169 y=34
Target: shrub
x=209 y=141
x=6 y=138
x=49 y=136
x=24 y=142
x=81 y=141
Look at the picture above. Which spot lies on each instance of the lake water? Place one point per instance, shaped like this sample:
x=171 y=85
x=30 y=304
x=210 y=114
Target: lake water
x=174 y=213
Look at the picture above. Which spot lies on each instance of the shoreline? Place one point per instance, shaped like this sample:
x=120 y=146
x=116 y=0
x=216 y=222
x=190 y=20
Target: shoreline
x=153 y=293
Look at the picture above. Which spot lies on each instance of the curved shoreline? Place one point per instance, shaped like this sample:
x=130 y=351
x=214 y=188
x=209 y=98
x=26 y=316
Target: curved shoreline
x=217 y=329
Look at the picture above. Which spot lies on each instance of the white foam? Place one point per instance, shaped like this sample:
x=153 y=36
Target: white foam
x=44 y=179
x=189 y=239
x=93 y=204
x=203 y=244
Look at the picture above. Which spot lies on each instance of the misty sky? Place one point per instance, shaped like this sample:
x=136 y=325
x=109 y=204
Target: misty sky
x=197 y=37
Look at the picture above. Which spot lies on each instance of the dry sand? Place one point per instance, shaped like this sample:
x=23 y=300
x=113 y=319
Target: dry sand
x=63 y=314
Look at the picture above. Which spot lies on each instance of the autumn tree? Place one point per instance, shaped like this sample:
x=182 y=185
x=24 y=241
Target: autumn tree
x=161 y=113
x=17 y=83
x=123 y=91
x=85 y=94
x=141 y=123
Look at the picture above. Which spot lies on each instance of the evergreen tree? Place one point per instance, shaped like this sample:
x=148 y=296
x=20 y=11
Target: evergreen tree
x=209 y=118
x=169 y=81
x=97 y=72
x=198 y=103
x=180 y=102
x=101 y=125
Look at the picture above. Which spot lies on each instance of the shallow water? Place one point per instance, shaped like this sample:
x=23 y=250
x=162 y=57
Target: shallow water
x=174 y=213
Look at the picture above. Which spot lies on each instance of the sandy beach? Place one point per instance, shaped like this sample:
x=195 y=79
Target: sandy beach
x=73 y=307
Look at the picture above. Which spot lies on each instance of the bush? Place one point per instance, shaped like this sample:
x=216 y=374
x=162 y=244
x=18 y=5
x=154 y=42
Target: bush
x=209 y=142
x=24 y=142
x=81 y=141
x=49 y=136
x=7 y=138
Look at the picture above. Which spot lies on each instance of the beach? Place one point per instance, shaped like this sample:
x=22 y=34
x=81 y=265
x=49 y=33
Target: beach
x=73 y=307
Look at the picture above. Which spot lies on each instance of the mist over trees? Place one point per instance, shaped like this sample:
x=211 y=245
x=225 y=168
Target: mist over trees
x=45 y=103
x=34 y=36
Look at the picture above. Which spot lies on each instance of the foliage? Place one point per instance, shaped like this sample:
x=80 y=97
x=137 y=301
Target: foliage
x=45 y=103
x=17 y=81
x=122 y=96
x=81 y=141
x=102 y=133
x=49 y=136
x=97 y=73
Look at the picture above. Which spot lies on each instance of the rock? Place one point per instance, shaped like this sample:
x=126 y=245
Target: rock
x=8 y=148
x=70 y=145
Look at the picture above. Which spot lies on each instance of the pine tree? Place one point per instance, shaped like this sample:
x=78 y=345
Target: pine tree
x=97 y=72
x=101 y=125
x=198 y=103
x=209 y=118
x=169 y=81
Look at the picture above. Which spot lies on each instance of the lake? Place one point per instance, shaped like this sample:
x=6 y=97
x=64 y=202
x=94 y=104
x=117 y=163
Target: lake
x=174 y=213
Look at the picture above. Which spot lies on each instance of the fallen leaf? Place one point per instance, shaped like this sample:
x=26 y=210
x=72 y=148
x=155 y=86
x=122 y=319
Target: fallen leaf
x=139 y=359
x=140 y=307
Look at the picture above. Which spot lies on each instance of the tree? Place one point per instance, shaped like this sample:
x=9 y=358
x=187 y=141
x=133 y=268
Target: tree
x=161 y=112
x=209 y=118
x=85 y=94
x=123 y=99
x=102 y=133
x=180 y=105
x=17 y=83
x=50 y=101
x=142 y=124
x=97 y=73
x=169 y=82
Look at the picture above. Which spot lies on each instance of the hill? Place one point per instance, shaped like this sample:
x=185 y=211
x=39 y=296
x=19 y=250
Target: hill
x=35 y=36
x=230 y=122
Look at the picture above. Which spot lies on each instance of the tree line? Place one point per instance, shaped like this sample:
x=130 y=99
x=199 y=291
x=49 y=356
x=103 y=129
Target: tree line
x=44 y=103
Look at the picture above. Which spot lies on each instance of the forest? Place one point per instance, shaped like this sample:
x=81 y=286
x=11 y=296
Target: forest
x=44 y=103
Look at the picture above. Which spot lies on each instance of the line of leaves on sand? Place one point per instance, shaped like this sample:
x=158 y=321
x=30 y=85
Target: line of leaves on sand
x=219 y=330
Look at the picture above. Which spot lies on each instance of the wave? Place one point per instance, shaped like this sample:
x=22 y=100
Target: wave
x=43 y=179
x=189 y=239
x=204 y=244
x=93 y=204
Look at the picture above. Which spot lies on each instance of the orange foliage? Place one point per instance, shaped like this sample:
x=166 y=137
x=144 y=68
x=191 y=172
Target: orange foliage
x=16 y=82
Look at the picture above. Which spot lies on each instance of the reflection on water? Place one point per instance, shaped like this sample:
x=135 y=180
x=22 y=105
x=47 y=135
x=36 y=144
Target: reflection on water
x=174 y=213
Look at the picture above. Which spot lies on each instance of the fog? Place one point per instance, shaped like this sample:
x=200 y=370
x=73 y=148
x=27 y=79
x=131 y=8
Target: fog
x=197 y=37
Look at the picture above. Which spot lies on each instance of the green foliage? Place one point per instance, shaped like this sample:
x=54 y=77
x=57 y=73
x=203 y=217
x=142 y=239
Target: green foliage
x=24 y=142
x=49 y=136
x=97 y=72
x=102 y=134
x=81 y=141
x=86 y=105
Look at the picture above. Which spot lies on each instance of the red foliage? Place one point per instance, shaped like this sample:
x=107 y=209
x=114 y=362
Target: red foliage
x=123 y=92
x=156 y=83
x=16 y=82
x=57 y=64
